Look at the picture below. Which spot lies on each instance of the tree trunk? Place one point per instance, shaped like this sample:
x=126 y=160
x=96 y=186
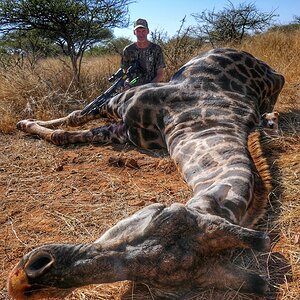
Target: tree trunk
x=76 y=70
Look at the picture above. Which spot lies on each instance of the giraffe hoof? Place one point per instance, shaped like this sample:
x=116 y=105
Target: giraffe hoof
x=24 y=124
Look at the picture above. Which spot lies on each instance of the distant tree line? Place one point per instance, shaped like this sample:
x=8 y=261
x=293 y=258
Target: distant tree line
x=73 y=26
x=43 y=28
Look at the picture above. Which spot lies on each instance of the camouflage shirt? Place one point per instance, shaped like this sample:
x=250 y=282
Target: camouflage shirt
x=150 y=59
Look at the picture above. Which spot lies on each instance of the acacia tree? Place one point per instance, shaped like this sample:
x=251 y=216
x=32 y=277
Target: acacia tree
x=29 y=45
x=74 y=25
x=297 y=19
x=232 y=23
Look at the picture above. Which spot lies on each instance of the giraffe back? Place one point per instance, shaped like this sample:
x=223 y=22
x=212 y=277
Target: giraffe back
x=229 y=71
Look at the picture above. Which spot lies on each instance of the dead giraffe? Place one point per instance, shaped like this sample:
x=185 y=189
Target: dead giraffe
x=205 y=117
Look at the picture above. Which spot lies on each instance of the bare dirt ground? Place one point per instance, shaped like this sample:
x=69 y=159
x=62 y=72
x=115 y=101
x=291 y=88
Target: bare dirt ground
x=73 y=194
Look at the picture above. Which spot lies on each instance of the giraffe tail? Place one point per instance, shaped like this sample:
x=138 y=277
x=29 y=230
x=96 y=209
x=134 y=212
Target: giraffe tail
x=262 y=184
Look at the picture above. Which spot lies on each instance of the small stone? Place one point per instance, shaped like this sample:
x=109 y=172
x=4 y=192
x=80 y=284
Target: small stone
x=59 y=168
x=116 y=162
x=131 y=163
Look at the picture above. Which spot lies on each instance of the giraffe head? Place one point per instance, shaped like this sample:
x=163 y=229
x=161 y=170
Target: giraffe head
x=169 y=248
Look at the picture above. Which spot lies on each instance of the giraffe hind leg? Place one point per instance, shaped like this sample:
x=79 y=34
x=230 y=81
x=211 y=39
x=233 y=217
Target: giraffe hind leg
x=113 y=133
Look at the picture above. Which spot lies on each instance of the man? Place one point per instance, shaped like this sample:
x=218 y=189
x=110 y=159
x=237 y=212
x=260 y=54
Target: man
x=147 y=55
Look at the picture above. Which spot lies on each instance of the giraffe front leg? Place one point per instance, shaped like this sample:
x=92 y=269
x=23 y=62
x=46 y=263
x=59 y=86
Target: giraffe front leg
x=113 y=133
x=73 y=119
x=33 y=127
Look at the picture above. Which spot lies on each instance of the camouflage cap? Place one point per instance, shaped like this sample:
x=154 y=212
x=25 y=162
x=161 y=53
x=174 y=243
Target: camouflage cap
x=140 y=23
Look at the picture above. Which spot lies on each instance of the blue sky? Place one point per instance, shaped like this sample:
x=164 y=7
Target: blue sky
x=165 y=15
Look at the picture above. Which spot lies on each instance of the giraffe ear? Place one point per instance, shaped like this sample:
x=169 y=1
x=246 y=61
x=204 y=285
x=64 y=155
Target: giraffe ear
x=220 y=191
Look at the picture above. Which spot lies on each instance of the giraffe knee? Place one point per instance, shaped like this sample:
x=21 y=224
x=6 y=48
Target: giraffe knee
x=75 y=118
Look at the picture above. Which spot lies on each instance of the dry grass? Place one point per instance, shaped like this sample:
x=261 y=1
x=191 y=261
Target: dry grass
x=46 y=91
x=73 y=194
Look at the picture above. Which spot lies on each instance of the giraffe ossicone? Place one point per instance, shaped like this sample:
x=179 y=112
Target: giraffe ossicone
x=206 y=118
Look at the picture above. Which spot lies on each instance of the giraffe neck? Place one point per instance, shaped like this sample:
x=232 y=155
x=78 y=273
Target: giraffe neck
x=213 y=157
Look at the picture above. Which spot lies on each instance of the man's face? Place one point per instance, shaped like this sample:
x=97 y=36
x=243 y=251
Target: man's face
x=141 y=34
